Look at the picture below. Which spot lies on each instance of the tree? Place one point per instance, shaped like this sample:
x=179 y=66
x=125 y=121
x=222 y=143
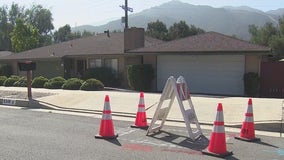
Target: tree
x=281 y=25
x=269 y=35
x=16 y=12
x=87 y=33
x=277 y=45
x=5 y=30
x=178 y=30
x=195 y=30
x=24 y=36
x=157 y=30
x=75 y=35
x=63 y=34
x=262 y=35
x=41 y=18
x=181 y=30
x=37 y=16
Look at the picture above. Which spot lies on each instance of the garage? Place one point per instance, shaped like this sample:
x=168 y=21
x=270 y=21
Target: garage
x=212 y=63
x=206 y=74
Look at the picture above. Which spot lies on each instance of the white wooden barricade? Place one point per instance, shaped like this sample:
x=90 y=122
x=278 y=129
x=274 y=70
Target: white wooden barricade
x=179 y=90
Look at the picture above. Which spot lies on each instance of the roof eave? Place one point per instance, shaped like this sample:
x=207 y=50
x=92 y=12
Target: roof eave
x=228 y=52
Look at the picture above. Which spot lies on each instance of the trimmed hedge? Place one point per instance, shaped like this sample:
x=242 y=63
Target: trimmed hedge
x=2 y=80
x=22 y=82
x=72 y=84
x=55 y=83
x=140 y=76
x=251 y=83
x=106 y=75
x=9 y=82
x=38 y=82
x=92 y=85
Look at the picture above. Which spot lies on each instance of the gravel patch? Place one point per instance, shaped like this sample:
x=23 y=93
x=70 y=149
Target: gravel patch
x=23 y=95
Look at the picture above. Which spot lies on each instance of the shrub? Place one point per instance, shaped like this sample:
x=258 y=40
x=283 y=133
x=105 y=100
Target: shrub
x=9 y=82
x=140 y=76
x=92 y=85
x=2 y=80
x=251 y=83
x=6 y=70
x=54 y=83
x=72 y=84
x=39 y=82
x=22 y=82
x=106 y=75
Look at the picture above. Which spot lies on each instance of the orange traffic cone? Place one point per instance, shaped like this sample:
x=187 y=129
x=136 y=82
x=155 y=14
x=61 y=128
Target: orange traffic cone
x=217 y=144
x=141 y=120
x=247 y=132
x=106 y=127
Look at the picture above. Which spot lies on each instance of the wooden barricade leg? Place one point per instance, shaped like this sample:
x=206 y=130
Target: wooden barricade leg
x=188 y=113
x=161 y=112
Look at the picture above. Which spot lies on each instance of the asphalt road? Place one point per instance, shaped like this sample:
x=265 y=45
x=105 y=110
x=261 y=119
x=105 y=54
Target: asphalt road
x=32 y=135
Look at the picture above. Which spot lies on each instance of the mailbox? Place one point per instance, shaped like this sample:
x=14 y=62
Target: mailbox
x=27 y=66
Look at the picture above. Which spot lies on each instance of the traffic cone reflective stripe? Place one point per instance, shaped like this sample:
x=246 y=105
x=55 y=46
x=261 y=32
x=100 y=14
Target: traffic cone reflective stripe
x=248 y=131
x=141 y=119
x=141 y=109
x=217 y=144
x=106 y=126
x=218 y=127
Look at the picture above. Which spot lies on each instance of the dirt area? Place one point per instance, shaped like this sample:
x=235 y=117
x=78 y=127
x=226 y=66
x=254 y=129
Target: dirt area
x=22 y=95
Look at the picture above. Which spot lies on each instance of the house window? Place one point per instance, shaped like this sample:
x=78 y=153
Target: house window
x=94 y=63
x=112 y=63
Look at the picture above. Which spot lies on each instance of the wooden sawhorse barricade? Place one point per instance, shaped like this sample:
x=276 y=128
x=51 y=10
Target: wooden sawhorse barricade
x=179 y=90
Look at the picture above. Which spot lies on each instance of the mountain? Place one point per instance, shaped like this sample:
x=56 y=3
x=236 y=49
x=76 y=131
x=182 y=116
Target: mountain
x=226 y=20
x=278 y=12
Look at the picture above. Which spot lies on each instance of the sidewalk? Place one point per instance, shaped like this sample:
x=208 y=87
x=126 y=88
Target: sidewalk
x=266 y=110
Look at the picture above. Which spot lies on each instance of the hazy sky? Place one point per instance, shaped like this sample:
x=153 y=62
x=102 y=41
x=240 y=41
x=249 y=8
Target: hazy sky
x=81 y=12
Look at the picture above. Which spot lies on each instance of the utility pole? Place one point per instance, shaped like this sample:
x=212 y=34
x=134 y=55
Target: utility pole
x=126 y=14
x=126 y=9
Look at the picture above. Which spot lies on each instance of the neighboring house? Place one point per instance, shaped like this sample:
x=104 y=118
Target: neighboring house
x=3 y=54
x=73 y=58
x=212 y=63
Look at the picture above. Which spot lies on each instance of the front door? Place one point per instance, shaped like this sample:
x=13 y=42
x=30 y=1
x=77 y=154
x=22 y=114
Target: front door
x=81 y=68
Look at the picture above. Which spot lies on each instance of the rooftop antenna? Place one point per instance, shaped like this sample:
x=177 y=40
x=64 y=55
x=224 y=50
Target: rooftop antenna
x=126 y=9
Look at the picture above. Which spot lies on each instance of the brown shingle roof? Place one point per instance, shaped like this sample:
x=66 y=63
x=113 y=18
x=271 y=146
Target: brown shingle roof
x=99 y=44
x=5 y=53
x=208 y=42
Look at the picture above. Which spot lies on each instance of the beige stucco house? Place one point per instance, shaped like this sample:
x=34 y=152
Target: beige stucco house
x=212 y=63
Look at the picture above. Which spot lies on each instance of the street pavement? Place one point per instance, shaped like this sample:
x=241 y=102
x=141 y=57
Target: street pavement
x=267 y=111
x=26 y=133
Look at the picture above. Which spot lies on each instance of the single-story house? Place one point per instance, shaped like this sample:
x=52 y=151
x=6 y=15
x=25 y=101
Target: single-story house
x=73 y=58
x=212 y=63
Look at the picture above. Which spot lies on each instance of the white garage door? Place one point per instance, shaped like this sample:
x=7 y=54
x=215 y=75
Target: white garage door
x=208 y=74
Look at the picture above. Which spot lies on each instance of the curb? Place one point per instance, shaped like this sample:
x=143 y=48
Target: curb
x=28 y=103
x=272 y=126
